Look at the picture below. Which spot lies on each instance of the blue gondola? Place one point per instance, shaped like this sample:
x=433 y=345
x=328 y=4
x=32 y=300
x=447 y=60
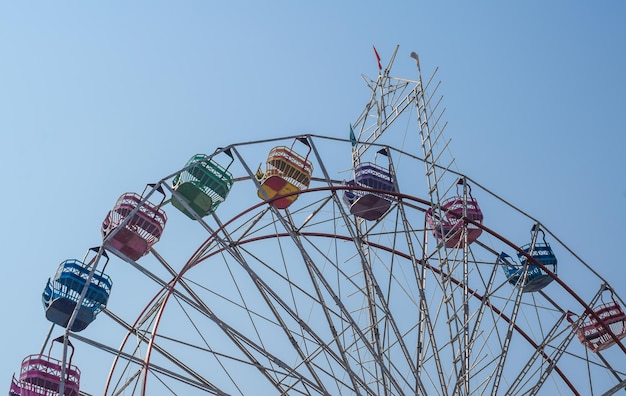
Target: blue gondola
x=536 y=277
x=62 y=293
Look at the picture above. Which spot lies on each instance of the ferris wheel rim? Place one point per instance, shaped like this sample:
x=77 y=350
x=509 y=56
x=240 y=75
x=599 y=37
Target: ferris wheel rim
x=400 y=197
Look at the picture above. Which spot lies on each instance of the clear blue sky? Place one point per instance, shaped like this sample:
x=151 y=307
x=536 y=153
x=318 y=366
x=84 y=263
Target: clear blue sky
x=98 y=98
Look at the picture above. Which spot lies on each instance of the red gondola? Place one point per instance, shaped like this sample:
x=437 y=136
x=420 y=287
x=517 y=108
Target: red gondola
x=599 y=335
x=134 y=225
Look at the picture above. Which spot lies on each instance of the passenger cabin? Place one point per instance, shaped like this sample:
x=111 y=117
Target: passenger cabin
x=600 y=331
x=286 y=172
x=373 y=203
x=40 y=375
x=448 y=223
x=134 y=225
x=201 y=186
x=62 y=294
x=527 y=274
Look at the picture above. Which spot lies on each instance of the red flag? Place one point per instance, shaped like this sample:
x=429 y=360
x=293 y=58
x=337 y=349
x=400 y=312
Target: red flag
x=377 y=58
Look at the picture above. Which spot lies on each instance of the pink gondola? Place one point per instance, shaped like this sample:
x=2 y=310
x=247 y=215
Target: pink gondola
x=40 y=375
x=134 y=224
x=447 y=222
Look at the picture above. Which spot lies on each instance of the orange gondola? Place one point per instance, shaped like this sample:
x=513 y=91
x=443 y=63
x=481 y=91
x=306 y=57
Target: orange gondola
x=286 y=172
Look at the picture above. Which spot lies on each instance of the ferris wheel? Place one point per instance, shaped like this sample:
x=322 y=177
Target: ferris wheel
x=315 y=265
